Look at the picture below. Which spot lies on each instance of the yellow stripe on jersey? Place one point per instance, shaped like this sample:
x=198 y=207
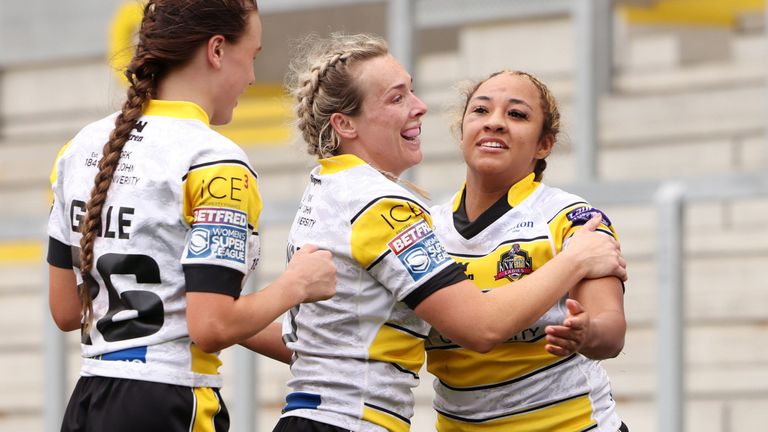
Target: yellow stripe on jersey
x=485 y=269
x=522 y=190
x=207 y=405
x=570 y=415
x=228 y=184
x=54 y=174
x=339 y=163
x=462 y=368
x=385 y=420
x=176 y=109
x=516 y=194
x=395 y=346
x=203 y=362
x=379 y=223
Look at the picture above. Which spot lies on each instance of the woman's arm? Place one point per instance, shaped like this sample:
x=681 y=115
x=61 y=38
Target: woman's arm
x=269 y=342
x=216 y=321
x=604 y=300
x=63 y=298
x=480 y=321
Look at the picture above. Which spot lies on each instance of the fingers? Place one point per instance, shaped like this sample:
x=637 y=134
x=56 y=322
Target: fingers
x=307 y=248
x=574 y=307
x=594 y=222
x=621 y=270
x=558 y=343
x=558 y=351
x=315 y=251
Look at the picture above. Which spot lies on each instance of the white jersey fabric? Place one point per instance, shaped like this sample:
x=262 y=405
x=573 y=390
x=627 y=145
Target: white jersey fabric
x=358 y=354
x=183 y=198
x=517 y=385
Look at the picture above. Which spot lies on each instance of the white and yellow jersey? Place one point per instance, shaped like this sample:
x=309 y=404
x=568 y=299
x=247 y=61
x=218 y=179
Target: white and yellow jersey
x=517 y=385
x=358 y=354
x=181 y=215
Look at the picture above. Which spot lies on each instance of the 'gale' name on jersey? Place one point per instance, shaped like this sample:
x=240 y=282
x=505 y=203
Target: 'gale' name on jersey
x=115 y=223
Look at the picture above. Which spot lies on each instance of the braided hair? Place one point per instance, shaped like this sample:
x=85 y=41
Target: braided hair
x=170 y=33
x=322 y=81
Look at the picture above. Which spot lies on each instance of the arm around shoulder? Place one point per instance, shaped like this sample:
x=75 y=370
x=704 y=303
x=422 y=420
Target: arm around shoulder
x=479 y=321
x=499 y=314
x=216 y=321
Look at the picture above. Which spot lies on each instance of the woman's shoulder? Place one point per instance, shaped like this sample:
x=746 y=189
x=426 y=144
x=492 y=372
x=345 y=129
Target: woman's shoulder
x=365 y=186
x=551 y=201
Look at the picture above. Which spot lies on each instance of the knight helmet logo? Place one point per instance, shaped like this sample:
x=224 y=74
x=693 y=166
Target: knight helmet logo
x=514 y=264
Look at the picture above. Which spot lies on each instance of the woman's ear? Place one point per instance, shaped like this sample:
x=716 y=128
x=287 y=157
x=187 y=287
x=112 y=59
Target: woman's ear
x=215 y=50
x=545 y=146
x=343 y=125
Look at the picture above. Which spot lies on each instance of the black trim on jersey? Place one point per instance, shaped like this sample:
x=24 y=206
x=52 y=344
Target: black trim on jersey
x=512 y=381
x=213 y=279
x=569 y=205
x=456 y=346
x=378 y=260
x=594 y=426
x=513 y=413
x=404 y=370
x=374 y=201
x=469 y=229
x=59 y=254
x=220 y=162
x=604 y=231
x=544 y=237
x=392 y=413
x=405 y=330
x=450 y=275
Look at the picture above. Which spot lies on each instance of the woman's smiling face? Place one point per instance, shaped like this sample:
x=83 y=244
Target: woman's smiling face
x=501 y=129
x=389 y=124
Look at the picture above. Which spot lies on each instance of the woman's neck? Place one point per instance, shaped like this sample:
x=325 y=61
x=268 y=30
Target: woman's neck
x=484 y=190
x=480 y=196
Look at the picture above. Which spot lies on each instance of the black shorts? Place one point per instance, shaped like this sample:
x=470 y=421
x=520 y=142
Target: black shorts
x=300 y=424
x=124 y=405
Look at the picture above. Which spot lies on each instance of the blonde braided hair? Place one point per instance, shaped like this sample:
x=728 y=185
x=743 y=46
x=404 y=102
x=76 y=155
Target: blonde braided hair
x=320 y=79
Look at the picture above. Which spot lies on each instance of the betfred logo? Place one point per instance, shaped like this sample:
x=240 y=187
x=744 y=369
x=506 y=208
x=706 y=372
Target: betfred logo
x=418 y=250
x=214 y=215
x=409 y=237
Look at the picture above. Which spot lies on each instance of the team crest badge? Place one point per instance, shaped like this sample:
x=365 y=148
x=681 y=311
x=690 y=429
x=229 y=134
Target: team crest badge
x=514 y=264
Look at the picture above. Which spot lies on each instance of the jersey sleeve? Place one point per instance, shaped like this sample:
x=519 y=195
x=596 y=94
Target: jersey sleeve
x=392 y=238
x=573 y=217
x=59 y=243
x=222 y=205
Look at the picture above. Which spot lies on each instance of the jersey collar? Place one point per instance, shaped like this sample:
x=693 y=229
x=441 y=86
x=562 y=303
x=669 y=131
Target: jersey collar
x=516 y=194
x=335 y=164
x=176 y=109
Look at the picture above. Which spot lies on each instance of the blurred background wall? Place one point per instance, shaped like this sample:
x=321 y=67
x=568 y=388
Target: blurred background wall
x=654 y=92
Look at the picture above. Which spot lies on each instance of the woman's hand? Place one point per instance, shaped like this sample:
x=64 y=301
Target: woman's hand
x=598 y=253
x=568 y=338
x=315 y=270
